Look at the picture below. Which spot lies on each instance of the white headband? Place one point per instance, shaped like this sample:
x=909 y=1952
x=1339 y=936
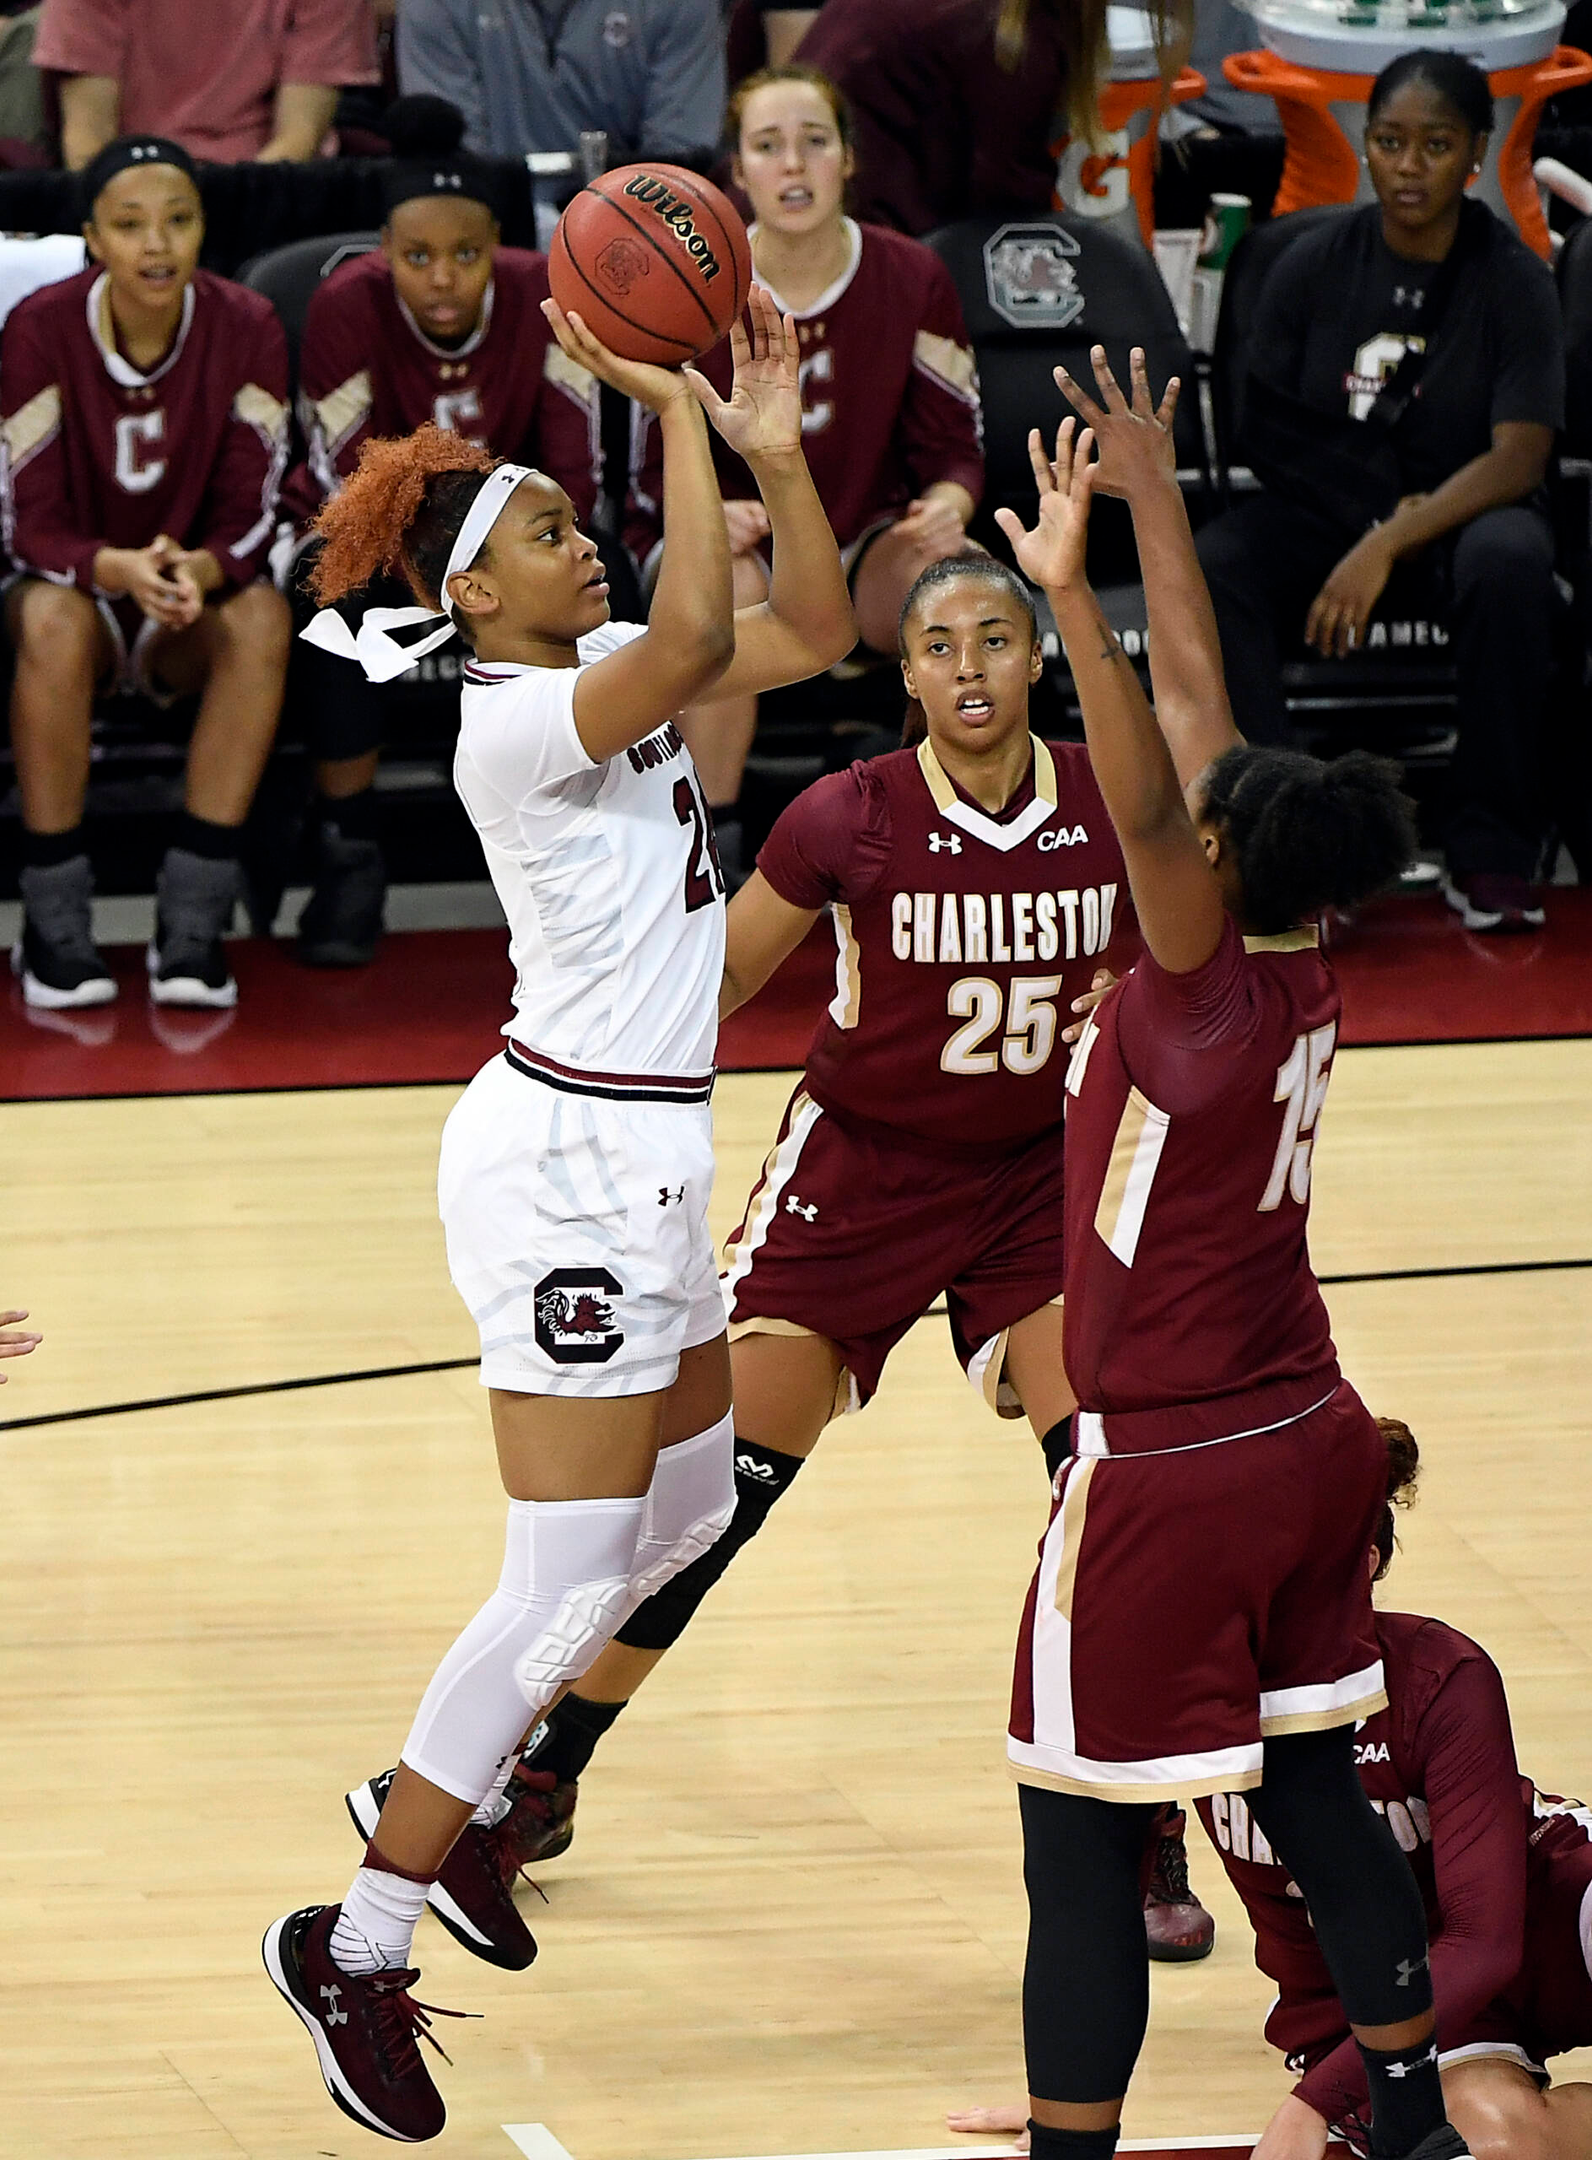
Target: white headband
x=381 y=656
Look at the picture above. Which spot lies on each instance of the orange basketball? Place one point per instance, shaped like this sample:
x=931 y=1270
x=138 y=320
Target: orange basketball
x=654 y=260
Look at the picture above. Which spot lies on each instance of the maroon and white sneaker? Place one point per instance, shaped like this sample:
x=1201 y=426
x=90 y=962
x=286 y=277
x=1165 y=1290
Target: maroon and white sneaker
x=364 y=2025
x=1493 y=900
x=1177 y=1927
x=540 y=1823
x=473 y=1896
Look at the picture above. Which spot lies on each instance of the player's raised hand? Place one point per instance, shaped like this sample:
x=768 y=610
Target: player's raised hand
x=15 y=1341
x=762 y=416
x=1052 y=554
x=652 y=386
x=1134 y=438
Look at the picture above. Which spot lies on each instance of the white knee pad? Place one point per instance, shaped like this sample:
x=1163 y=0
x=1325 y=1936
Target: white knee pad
x=565 y=1586
x=689 y=1504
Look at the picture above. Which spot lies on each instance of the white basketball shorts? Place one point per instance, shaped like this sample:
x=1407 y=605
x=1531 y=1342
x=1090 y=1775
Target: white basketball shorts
x=577 y=1230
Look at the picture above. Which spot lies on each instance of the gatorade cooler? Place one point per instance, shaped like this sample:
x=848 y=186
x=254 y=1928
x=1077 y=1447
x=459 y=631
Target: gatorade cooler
x=1321 y=57
x=1118 y=180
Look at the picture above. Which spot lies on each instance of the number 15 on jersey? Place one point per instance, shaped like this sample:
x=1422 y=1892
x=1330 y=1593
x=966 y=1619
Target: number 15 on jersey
x=1302 y=1087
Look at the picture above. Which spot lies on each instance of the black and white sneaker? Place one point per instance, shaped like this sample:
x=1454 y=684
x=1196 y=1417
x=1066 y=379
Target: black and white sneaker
x=59 y=964
x=194 y=902
x=473 y=1895
x=342 y=921
x=364 y=2025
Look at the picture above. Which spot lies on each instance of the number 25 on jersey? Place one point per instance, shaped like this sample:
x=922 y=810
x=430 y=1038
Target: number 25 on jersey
x=1302 y=1087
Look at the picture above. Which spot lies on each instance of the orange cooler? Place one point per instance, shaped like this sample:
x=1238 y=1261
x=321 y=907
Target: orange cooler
x=1118 y=180
x=1321 y=57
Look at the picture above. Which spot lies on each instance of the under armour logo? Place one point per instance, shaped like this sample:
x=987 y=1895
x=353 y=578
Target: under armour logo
x=1409 y=296
x=1408 y=2069
x=1407 y=1971
x=665 y=1195
x=447 y=180
x=952 y=841
x=334 y=2016
x=150 y=153
x=793 y=1206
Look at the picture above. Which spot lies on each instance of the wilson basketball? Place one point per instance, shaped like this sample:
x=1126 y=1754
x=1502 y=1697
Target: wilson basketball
x=654 y=260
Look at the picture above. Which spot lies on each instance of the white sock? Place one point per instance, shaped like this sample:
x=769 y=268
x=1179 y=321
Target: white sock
x=375 y=1931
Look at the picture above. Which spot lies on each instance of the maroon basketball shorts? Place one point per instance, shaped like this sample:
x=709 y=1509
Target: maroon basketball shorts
x=853 y=1231
x=1191 y=1601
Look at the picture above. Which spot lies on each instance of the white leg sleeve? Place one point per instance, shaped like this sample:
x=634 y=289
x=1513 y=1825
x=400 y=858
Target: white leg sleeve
x=689 y=1504
x=565 y=1587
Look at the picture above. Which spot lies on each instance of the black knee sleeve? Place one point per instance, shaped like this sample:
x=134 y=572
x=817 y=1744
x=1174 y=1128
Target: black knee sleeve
x=1086 y=1980
x=1057 y=1445
x=761 y=1475
x=1363 y=1897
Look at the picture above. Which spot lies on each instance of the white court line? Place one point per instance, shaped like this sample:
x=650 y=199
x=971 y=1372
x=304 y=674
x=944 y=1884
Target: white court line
x=537 y=2142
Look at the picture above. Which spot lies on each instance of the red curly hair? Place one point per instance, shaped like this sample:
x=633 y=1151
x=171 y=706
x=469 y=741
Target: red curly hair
x=398 y=511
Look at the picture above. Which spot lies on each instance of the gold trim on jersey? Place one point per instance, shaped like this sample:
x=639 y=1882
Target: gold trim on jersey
x=763 y=1324
x=1185 y=1788
x=950 y=364
x=1130 y=1172
x=32 y=425
x=1074 y=1514
x=847 y=1000
x=344 y=410
x=257 y=408
x=569 y=376
x=1304 y=939
x=1003 y=838
x=1325 y=1720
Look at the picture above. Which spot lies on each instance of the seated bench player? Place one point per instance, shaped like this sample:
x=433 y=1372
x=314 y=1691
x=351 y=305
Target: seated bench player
x=442 y=323
x=144 y=413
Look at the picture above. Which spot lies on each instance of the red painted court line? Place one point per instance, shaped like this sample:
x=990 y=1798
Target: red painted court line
x=429 y=1008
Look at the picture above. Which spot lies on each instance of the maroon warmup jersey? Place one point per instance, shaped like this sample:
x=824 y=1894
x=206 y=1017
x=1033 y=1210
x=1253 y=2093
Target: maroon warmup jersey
x=889 y=394
x=97 y=455
x=367 y=368
x=1195 y=1103
x=962 y=940
x=1491 y=1856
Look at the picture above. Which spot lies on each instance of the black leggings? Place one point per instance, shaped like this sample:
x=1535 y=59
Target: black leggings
x=1086 y=1992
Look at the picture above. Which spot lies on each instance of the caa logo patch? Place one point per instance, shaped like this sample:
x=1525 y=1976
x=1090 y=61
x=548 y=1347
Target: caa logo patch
x=575 y=1323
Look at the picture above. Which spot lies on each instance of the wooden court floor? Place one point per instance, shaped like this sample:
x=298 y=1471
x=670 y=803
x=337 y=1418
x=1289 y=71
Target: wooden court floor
x=791 y=1920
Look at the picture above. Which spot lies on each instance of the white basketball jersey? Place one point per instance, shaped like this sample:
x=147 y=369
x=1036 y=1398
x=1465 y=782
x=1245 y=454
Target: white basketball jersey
x=606 y=873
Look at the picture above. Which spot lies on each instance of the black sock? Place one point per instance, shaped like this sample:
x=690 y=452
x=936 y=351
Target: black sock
x=574 y=1728
x=43 y=850
x=1057 y=1445
x=353 y=815
x=1406 y=2097
x=197 y=836
x=1072 y=2144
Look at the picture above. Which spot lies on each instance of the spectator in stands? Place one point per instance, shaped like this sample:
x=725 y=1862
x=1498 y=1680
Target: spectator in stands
x=956 y=100
x=443 y=324
x=764 y=33
x=228 y=79
x=1406 y=380
x=536 y=74
x=22 y=126
x=144 y=428
x=890 y=392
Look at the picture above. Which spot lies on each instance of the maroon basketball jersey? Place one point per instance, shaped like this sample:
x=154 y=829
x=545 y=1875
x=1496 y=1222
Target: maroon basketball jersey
x=889 y=394
x=1195 y=1102
x=367 y=368
x=97 y=455
x=1439 y=1764
x=962 y=939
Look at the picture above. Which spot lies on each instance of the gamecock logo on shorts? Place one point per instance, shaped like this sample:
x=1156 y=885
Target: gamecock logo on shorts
x=575 y=1323
x=621 y=263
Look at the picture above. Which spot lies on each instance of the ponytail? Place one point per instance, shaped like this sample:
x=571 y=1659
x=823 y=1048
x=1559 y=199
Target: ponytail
x=401 y=509
x=1307 y=835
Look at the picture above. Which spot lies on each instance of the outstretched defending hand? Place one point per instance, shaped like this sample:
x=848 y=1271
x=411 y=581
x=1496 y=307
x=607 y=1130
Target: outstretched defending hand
x=762 y=416
x=1052 y=555
x=1135 y=441
x=14 y=1341
x=654 y=387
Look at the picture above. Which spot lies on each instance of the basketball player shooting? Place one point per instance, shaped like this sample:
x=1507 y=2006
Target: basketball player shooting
x=1201 y=1616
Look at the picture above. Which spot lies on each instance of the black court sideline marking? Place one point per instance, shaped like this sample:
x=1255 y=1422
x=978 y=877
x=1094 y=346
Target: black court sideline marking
x=461 y=1364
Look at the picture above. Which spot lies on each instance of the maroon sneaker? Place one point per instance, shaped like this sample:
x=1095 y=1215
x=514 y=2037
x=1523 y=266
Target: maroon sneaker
x=473 y=1895
x=1491 y=900
x=1177 y=1927
x=540 y=1823
x=364 y=2027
